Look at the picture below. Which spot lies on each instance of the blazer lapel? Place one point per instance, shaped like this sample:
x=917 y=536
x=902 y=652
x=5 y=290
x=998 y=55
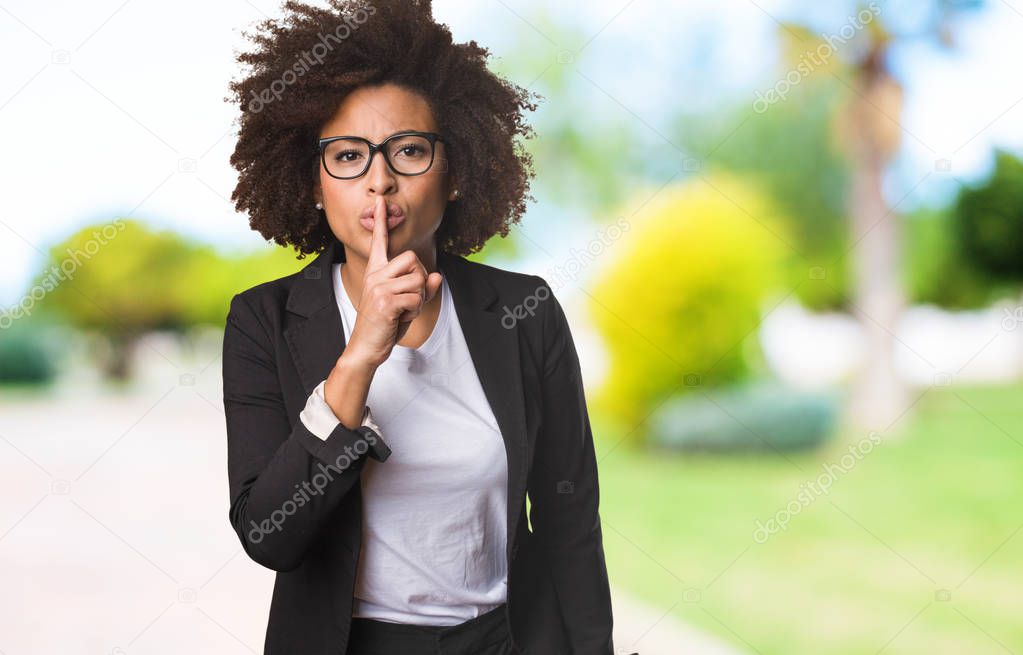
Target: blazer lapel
x=316 y=340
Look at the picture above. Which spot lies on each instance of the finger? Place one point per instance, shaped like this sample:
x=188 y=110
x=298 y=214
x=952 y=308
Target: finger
x=409 y=283
x=404 y=262
x=424 y=276
x=433 y=283
x=428 y=291
x=406 y=306
x=378 y=243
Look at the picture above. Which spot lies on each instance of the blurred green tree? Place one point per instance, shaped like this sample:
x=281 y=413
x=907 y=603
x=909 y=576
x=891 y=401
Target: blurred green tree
x=934 y=269
x=122 y=279
x=684 y=291
x=118 y=279
x=989 y=220
x=212 y=278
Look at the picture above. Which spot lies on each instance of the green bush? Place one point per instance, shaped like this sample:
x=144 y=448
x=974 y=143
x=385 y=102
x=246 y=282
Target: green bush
x=27 y=354
x=682 y=299
x=757 y=417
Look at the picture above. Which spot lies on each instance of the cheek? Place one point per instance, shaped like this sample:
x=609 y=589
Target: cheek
x=431 y=191
x=343 y=199
x=341 y=204
x=431 y=202
x=329 y=185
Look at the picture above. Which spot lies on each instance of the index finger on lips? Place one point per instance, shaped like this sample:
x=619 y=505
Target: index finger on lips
x=378 y=242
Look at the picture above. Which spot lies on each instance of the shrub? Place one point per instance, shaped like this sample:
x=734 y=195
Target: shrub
x=27 y=354
x=757 y=417
x=685 y=290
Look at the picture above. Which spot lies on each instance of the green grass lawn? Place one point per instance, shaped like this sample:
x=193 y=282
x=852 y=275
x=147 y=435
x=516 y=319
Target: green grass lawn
x=916 y=550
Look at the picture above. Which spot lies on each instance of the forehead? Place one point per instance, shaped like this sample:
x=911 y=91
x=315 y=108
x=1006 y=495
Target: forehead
x=376 y=112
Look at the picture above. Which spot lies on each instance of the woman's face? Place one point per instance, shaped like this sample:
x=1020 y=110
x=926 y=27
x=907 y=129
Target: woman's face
x=375 y=113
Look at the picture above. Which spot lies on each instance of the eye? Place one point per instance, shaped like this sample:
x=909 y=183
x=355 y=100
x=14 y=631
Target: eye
x=410 y=149
x=341 y=155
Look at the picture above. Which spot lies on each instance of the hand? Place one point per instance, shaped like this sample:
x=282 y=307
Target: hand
x=393 y=294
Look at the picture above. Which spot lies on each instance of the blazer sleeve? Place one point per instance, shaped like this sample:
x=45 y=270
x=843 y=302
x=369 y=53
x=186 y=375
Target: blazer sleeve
x=284 y=480
x=564 y=494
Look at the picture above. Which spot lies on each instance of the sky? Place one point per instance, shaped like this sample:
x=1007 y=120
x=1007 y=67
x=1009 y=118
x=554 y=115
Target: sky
x=113 y=109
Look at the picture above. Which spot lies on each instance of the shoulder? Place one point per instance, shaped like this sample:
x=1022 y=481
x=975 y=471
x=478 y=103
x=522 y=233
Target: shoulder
x=525 y=301
x=271 y=292
x=519 y=295
x=510 y=285
x=264 y=303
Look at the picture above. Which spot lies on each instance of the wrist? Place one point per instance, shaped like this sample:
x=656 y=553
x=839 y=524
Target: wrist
x=353 y=362
x=347 y=387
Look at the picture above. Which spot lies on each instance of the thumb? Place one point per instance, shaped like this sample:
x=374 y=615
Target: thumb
x=433 y=283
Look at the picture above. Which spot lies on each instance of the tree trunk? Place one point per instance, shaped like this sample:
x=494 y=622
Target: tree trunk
x=117 y=362
x=880 y=397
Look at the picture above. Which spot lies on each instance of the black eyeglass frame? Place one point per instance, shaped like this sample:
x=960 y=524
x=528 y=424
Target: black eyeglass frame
x=432 y=137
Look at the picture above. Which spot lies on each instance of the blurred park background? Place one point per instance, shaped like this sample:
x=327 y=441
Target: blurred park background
x=789 y=237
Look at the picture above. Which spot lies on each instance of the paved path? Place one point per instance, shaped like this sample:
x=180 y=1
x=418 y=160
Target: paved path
x=640 y=628
x=114 y=535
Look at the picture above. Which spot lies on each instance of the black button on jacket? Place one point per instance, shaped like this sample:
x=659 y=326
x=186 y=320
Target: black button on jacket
x=295 y=499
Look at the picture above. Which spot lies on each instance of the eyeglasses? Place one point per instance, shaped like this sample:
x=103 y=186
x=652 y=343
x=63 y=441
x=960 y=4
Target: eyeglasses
x=406 y=153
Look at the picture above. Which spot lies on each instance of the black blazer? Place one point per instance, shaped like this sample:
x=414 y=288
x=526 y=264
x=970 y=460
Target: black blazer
x=283 y=337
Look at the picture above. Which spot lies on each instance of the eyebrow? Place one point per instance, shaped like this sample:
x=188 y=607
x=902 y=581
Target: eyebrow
x=386 y=137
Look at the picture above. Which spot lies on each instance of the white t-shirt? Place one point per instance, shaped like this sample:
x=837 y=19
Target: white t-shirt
x=434 y=514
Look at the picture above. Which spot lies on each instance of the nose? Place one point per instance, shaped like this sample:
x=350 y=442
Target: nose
x=380 y=177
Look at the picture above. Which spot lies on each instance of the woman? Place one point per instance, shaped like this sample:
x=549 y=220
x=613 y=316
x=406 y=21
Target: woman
x=370 y=139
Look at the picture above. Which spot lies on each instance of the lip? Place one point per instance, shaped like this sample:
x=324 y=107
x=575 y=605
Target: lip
x=392 y=210
x=395 y=217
